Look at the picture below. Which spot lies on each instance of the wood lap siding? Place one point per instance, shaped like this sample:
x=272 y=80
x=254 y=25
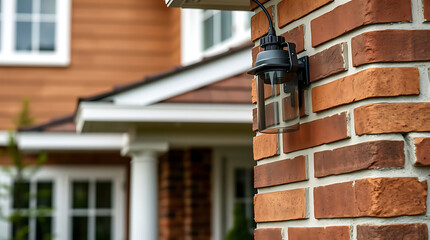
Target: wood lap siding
x=112 y=43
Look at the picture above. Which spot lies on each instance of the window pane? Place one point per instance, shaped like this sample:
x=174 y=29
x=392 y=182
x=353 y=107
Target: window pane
x=21 y=195
x=80 y=194
x=47 y=6
x=103 y=228
x=23 y=36
x=44 y=194
x=248 y=22
x=20 y=228
x=208 y=33
x=47 y=36
x=0 y=24
x=44 y=228
x=240 y=179
x=79 y=228
x=24 y=6
x=226 y=25
x=103 y=194
x=0 y=30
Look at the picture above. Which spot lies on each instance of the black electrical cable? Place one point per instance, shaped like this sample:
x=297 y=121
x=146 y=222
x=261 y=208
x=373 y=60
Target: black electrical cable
x=271 y=29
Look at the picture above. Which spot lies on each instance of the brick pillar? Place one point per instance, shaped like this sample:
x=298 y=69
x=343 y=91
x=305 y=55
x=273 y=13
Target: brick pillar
x=364 y=142
x=197 y=179
x=171 y=198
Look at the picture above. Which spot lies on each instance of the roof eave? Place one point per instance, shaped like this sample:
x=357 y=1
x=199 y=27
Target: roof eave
x=242 y=5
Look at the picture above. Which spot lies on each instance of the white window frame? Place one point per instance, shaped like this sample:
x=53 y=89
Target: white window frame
x=61 y=55
x=62 y=177
x=192 y=35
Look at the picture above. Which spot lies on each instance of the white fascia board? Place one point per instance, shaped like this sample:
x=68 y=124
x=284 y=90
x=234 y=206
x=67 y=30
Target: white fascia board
x=187 y=80
x=202 y=139
x=4 y=138
x=43 y=141
x=163 y=112
x=211 y=4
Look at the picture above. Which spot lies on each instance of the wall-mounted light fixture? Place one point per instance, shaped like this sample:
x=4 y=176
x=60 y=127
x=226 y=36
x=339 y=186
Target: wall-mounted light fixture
x=280 y=78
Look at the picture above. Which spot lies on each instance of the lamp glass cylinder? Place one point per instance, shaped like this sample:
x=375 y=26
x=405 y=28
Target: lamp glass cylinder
x=277 y=101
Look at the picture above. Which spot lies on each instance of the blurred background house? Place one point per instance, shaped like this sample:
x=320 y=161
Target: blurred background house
x=163 y=110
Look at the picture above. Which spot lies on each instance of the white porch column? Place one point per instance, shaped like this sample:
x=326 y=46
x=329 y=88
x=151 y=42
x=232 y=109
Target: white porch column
x=144 y=189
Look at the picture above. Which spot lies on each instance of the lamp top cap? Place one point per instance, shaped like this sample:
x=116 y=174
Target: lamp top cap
x=272 y=42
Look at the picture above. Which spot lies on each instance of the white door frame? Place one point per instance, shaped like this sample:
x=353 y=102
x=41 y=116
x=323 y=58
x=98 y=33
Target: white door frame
x=223 y=192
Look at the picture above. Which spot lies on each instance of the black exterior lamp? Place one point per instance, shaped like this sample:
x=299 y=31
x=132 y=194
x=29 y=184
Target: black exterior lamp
x=280 y=78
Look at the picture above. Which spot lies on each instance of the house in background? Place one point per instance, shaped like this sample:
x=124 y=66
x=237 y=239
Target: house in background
x=183 y=134
x=358 y=167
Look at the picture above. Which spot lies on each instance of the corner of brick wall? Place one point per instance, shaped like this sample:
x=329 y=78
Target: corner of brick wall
x=363 y=148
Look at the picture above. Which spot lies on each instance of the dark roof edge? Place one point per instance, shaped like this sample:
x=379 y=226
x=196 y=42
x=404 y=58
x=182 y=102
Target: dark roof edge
x=153 y=78
x=53 y=122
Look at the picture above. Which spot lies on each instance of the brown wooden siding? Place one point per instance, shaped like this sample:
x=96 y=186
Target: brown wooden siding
x=112 y=43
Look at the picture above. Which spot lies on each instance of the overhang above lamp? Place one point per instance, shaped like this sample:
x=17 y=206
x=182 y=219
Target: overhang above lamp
x=280 y=78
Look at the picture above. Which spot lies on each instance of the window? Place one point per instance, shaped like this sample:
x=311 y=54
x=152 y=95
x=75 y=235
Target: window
x=210 y=32
x=233 y=184
x=217 y=27
x=32 y=213
x=85 y=203
x=91 y=210
x=243 y=178
x=0 y=24
x=34 y=32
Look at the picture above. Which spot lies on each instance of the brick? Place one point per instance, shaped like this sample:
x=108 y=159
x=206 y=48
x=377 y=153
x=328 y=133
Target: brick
x=391 y=46
x=317 y=132
x=328 y=62
x=426 y=4
x=254 y=5
x=268 y=233
x=392 y=118
x=415 y=231
x=369 y=83
x=297 y=36
x=319 y=233
x=255 y=51
x=290 y=10
x=357 y=13
x=280 y=206
x=372 y=197
x=254 y=91
x=280 y=172
x=265 y=145
x=369 y=155
x=260 y=24
x=302 y=110
x=422 y=151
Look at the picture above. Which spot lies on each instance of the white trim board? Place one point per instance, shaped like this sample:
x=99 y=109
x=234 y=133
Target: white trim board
x=4 y=138
x=187 y=80
x=46 y=141
x=163 y=112
x=211 y=4
x=202 y=139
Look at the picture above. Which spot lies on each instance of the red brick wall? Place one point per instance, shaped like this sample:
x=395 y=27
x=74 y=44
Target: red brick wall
x=185 y=195
x=358 y=168
x=197 y=194
x=171 y=196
